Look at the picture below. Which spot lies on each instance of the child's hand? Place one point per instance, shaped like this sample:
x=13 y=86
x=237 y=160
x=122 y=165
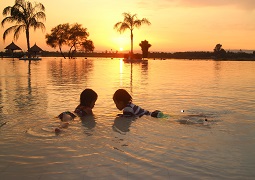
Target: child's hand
x=155 y=113
x=57 y=130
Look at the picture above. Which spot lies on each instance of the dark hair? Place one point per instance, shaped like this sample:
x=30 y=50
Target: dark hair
x=122 y=95
x=87 y=96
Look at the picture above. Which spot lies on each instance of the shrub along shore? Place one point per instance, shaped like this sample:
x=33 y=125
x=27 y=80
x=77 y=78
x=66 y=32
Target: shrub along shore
x=152 y=55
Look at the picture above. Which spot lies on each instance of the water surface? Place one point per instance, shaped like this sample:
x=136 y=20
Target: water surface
x=104 y=146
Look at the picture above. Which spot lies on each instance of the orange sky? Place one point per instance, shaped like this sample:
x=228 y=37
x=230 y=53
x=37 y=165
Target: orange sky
x=176 y=25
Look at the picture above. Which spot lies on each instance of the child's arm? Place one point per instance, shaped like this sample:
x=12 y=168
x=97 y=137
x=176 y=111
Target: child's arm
x=87 y=110
x=64 y=125
x=128 y=112
x=61 y=126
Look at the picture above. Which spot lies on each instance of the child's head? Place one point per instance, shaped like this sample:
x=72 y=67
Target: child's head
x=88 y=98
x=121 y=98
x=66 y=116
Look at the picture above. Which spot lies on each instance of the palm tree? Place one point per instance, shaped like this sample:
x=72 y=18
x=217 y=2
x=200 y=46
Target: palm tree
x=25 y=15
x=130 y=22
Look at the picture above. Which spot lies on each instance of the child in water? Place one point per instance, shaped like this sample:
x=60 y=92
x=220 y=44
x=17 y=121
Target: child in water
x=65 y=118
x=87 y=102
x=123 y=101
x=88 y=98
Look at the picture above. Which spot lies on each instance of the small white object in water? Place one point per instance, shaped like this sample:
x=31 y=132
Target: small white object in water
x=182 y=110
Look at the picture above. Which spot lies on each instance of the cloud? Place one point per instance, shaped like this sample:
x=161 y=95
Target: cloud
x=246 y=4
x=241 y=4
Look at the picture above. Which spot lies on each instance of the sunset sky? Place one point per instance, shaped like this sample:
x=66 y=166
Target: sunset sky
x=176 y=25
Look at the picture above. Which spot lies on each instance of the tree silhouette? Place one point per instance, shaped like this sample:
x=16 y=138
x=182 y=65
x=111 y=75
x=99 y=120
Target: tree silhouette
x=58 y=37
x=219 y=52
x=88 y=46
x=217 y=48
x=25 y=15
x=130 y=22
x=74 y=36
x=77 y=35
x=145 y=48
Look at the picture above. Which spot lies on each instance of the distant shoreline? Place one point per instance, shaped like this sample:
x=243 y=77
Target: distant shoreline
x=160 y=59
x=202 y=55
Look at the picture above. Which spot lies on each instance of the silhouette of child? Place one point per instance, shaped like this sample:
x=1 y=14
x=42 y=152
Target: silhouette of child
x=87 y=102
x=65 y=118
x=123 y=101
x=88 y=98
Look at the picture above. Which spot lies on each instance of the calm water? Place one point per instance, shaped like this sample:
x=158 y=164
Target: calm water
x=106 y=147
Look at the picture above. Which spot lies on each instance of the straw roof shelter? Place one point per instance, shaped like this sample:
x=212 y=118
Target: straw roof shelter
x=12 y=47
x=35 y=49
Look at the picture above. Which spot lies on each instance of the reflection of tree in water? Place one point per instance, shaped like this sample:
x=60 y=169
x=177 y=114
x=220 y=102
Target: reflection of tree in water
x=131 y=78
x=217 y=69
x=217 y=65
x=144 y=73
x=1 y=102
x=25 y=91
x=32 y=97
x=29 y=78
x=25 y=97
x=70 y=71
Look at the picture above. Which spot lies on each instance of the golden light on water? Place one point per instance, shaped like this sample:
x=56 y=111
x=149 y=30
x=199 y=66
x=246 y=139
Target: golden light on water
x=121 y=71
x=34 y=94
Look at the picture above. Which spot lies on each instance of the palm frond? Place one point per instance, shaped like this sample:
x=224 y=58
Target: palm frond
x=7 y=20
x=7 y=11
x=133 y=17
x=127 y=17
x=146 y=21
x=19 y=1
x=39 y=25
x=39 y=6
x=19 y=18
x=137 y=23
x=121 y=26
x=18 y=30
x=39 y=15
x=8 y=31
x=29 y=7
x=116 y=26
x=124 y=27
x=18 y=15
x=126 y=14
x=21 y=6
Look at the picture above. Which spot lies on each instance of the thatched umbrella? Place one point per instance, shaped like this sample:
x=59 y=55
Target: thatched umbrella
x=12 y=47
x=35 y=49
